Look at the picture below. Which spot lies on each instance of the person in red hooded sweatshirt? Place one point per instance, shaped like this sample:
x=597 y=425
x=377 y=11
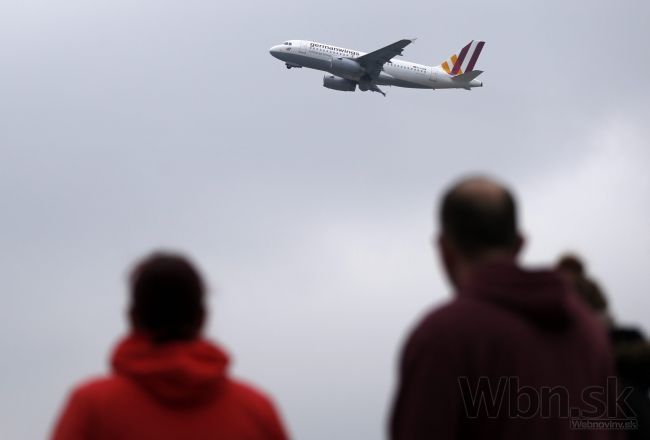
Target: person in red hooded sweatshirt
x=515 y=355
x=167 y=381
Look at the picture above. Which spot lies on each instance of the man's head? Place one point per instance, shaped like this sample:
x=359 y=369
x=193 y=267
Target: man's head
x=167 y=298
x=572 y=265
x=590 y=292
x=478 y=222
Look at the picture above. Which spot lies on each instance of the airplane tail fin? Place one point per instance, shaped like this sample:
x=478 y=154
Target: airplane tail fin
x=465 y=61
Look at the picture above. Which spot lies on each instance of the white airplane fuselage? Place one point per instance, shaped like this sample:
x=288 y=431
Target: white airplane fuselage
x=319 y=56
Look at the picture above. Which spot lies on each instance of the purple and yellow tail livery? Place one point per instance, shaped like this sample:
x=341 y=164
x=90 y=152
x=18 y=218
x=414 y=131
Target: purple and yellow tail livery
x=465 y=61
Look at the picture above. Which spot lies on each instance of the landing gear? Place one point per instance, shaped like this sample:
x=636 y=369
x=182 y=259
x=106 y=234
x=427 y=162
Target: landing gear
x=289 y=65
x=365 y=85
x=374 y=88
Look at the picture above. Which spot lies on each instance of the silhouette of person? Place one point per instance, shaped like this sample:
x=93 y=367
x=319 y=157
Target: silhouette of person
x=589 y=291
x=167 y=381
x=511 y=354
x=631 y=348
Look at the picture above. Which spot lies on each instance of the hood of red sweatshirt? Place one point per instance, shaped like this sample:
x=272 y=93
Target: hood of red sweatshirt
x=540 y=296
x=179 y=373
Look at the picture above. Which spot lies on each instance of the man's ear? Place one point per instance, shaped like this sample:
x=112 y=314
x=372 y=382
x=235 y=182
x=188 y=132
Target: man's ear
x=446 y=248
x=521 y=242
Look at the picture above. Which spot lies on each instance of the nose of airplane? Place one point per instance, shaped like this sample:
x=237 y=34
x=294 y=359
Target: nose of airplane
x=274 y=50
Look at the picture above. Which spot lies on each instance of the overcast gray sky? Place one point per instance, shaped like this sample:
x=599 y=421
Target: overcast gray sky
x=127 y=125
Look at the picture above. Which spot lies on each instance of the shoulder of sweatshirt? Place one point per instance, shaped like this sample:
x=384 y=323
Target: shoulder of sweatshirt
x=461 y=315
x=249 y=392
x=100 y=388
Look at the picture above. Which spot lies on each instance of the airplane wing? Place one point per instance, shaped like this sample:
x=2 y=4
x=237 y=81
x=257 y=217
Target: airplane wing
x=373 y=62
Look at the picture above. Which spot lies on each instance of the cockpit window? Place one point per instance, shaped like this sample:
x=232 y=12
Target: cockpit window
x=287 y=43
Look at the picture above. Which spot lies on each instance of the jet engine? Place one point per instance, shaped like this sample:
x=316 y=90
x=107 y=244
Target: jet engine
x=345 y=66
x=341 y=84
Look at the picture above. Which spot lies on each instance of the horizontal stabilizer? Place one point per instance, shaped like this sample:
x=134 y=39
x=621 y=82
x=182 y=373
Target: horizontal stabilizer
x=467 y=77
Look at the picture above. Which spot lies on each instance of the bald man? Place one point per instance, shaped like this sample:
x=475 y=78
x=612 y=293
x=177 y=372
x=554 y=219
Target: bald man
x=513 y=355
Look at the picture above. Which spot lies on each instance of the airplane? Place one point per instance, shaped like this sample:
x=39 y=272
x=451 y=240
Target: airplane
x=346 y=68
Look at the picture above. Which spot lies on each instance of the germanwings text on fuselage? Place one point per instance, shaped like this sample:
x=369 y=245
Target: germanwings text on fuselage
x=346 y=68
